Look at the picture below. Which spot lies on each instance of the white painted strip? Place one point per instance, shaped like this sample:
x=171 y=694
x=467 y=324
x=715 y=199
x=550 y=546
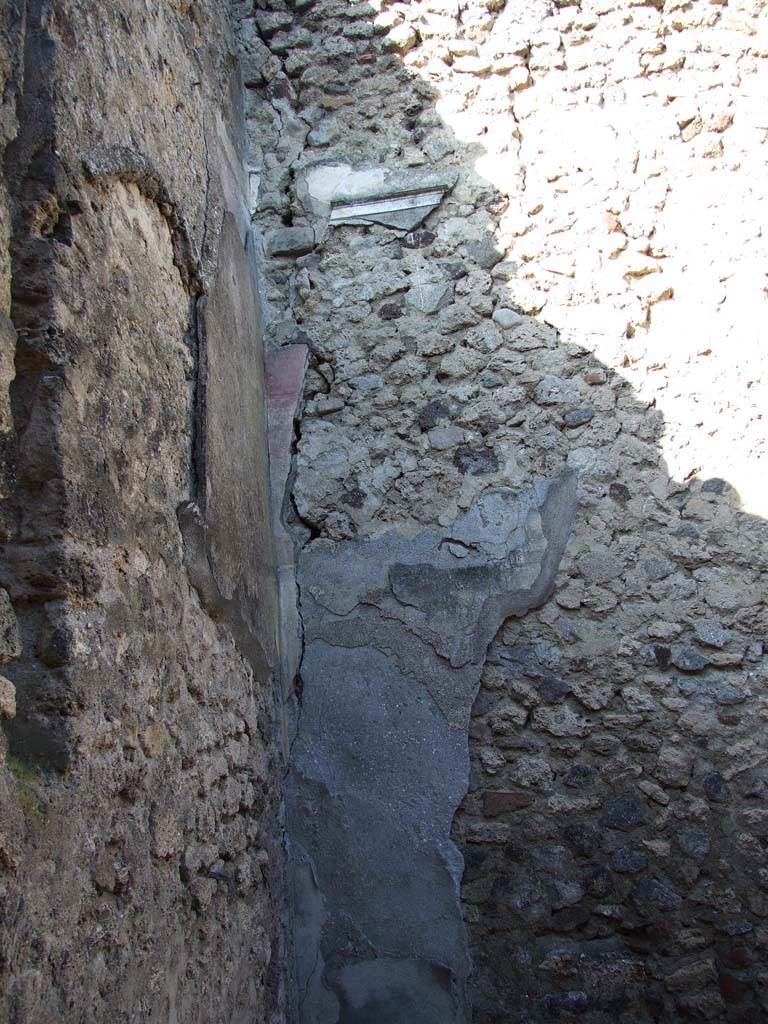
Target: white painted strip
x=389 y=204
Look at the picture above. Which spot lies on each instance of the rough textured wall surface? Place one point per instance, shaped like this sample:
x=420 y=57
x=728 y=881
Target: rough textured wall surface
x=138 y=776
x=584 y=291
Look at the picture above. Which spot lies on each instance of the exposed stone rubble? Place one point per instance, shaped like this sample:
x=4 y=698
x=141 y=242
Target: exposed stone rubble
x=589 y=295
x=140 y=874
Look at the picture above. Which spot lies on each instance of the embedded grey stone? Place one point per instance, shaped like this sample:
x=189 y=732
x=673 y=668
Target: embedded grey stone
x=429 y=298
x=484 y=253
x=507 y=318
x=688 y=659
x=367 y=382
x=727 y=694
x=553 y=861
x=714 y=486
x=505 y=270
x=657 y=568
x=737 y=926
x=564 y=894
x=600 y=565
x=322 y=135
x=552 y=390
x=711 y=633
x=444 y=438
x=432 y=413
x=492 y=380
x=290 y=242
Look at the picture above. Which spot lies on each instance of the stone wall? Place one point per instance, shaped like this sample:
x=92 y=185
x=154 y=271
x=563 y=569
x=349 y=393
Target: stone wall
x=139 y=872
x=522 y=244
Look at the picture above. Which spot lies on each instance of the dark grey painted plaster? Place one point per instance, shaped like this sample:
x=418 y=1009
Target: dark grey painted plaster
x=239 y=560
x=396 y=631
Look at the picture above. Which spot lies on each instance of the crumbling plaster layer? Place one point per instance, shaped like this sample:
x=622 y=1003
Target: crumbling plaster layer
x=589 y=295
x=138 y=772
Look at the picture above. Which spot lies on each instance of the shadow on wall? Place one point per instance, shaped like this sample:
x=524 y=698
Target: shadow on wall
x=583 y=272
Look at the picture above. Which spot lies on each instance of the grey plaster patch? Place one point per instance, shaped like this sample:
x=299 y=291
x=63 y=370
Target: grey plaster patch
x=310 y=916
x=396 y=630
x=393 y=991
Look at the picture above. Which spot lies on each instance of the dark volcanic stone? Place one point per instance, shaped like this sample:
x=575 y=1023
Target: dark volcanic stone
x=642 y=741
x=694 y=843
x=579 y=775
x=604 y=745
x=551 y=689
x=454 y=270
x=623 y=813
x=714 y=486
x=559 y=1003
x=716 y=788
x=514 y=853
x=737 y=926
x=390 y=311
x=553 y=861
x=657 y=569
x=432 y=413
x=56 y=647
x=477 y=461
x=727 y=694
x=735 y=955
x=578 y=417
x=619 y=493
x=584 y=840
x=663 y=655
x=474 y=862
x=570 y=918
x=418 y=239
x=598 y=882
x=354 y=497
x=628 y=862
x=732 y=987
x=651 y=896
